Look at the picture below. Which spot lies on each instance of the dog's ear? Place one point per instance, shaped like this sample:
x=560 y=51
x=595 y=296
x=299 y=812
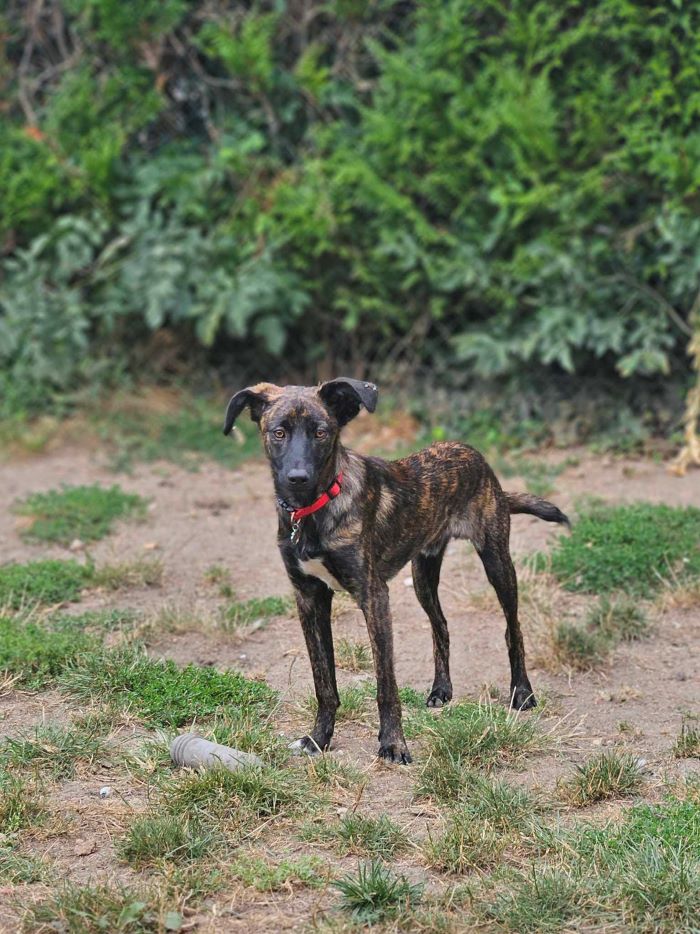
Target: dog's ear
x=255 y=397
x=343 y=397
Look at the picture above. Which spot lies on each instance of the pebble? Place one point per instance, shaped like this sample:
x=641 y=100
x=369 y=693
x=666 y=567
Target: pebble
x=105 y=791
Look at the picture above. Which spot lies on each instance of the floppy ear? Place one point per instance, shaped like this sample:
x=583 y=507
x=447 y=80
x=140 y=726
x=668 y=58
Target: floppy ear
x=343 y=397
x=255 y=397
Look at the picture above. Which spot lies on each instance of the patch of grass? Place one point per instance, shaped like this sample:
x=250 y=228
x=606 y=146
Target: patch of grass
x=239 y=799
x=618 y=620
x=100 y=621
x=607 y=775
x=43 y=582
x=637 y=873
x=259 y=610
x=376 y=894
x=358 y=835
x=38 y=654
x=579 y=648
x=353 y=656
x=159 y=692
x=93 y=909
x=326 y=771
x=246 y=729
x=266 y=876
x=180 y=429
x=87 y=513
x=687 y=745
x=353 y=703
x=631 y=548
x=502 y=805
x=469 y=735
x=16 y=869
x=141 y=572
x=57 y=750
x=465 y=844
x=164 y=837
x=21 y=806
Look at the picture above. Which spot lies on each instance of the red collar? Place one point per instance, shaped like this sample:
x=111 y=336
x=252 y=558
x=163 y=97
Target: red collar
x=297 y=515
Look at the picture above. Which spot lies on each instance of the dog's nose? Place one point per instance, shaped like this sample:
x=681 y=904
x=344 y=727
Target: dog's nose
x=298 y=477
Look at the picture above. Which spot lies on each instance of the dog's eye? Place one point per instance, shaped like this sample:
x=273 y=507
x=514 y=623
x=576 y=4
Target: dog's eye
x=279 y=434
x=321 y=433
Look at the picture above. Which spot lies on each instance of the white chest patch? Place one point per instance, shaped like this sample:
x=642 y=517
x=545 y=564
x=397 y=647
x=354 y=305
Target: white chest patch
x=314 y=567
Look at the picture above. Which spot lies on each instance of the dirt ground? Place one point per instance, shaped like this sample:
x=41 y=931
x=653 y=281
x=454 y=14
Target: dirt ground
x=220 y=517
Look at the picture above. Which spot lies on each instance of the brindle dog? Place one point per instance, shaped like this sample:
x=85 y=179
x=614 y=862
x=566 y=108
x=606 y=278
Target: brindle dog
x=386 y=514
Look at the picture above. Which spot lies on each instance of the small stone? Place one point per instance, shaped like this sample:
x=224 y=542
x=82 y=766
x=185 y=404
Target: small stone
x=77 y=545
x=105 y=791
x=150 y=546
x=84 y=847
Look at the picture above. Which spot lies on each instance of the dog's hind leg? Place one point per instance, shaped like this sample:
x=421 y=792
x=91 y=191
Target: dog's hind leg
x=426 y=577
x=495 y=556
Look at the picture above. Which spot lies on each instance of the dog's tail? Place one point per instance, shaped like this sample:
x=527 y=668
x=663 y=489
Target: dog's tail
x=536 y=506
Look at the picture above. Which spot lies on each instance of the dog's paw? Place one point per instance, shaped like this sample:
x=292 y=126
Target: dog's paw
x=304 y=746
x=523 y=698
x=438 y=697
x=395 y=752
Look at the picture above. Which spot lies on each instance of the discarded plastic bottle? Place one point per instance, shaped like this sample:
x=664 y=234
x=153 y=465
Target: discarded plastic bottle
x=194 y=751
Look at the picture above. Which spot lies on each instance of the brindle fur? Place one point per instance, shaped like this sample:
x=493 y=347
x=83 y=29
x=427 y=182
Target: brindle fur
x=388 y=513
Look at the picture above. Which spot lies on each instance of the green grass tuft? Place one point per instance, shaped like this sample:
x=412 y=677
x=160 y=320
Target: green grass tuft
x=607 y=775
x=259 y=610
x=358 y=835
x=57 y=750
x=164 y=837
x=91 y=909
x=16 y=869
x=618 y=620
x=376 y=894
x=687 y=745
x=353 y=656
x=159 y=692
x=45 y=582
x=470 y=735
x=265 y=876
x=630 y=548
x=580 y=648
x=21 y=806
x=464 y=844
x=39 y=654
x=87 y=513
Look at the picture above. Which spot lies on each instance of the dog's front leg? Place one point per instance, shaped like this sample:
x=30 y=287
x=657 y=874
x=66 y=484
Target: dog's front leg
x=375 y=606
x=314 y=601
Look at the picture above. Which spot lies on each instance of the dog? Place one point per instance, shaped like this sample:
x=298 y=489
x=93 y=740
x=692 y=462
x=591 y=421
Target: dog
x=349 y=522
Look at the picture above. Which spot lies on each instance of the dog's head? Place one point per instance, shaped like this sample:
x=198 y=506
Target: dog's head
x=300 y=427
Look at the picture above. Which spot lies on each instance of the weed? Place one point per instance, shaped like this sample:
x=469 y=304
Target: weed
x=358 y=835
x=169 y=837
x=84 y=512
x=541 y=900
x=353 y=656
x=502 y=805
x=687 y=745
x=38 y=654
x=353 y=703
x=57 y=750
x=464 y=844
x=141 y=572
x=46 y=582
x=158 y=691
x=20 y=804
x=376 y=894
x=270 y=877
x=17 y=869
x=607 y=775
x=631 y=548
x=258 y=611
x=107 y=620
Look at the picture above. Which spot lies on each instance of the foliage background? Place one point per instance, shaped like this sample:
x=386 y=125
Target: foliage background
x=483 y=190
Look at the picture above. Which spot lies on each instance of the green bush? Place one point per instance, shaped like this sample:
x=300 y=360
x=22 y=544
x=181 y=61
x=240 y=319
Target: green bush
x=505 y=187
